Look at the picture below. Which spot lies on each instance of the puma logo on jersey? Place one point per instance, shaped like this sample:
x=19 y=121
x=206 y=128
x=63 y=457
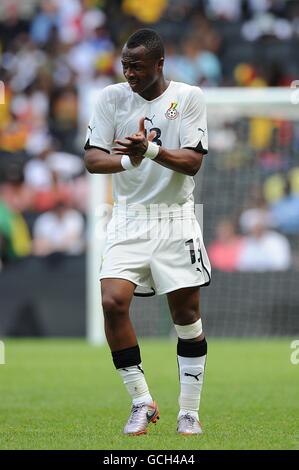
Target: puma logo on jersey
x=150 y=120
x=195 y=376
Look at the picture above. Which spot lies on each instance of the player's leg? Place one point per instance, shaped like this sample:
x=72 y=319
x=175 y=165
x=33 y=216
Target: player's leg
x=192 y=353
x=117 y=295
x=116 y=299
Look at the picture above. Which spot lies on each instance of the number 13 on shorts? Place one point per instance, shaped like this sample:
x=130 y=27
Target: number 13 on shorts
x=195 y=257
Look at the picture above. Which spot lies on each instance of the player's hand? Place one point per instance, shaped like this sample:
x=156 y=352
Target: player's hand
x=134 y=145
x=136 y=161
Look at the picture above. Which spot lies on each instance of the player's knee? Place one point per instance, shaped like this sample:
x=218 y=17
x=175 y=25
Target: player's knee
x=185 y=316
x=113 y=304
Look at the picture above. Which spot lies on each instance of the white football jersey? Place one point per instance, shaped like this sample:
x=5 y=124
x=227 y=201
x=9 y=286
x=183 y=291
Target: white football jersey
x=178 y=117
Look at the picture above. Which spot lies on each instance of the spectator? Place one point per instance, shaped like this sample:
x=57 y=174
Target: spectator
x=228 y=11
x=15 y=242
x=13 y=192
x=44 y=22
x=15 y=198
x=263 y=249
x=285 y=212
x=38 y=175
x=267 y=25
x=197 y=65
x=83 y=56
x=39 y=171
x=59 y=231
x=224 y=252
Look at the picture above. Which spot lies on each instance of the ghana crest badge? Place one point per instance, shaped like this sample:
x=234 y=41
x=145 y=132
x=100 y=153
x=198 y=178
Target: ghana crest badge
x=172 y=112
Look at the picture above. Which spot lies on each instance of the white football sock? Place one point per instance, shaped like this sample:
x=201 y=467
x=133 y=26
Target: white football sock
x=191 y=371
x=134 y=380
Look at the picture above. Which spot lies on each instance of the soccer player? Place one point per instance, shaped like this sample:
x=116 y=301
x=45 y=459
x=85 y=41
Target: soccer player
x=151 y=135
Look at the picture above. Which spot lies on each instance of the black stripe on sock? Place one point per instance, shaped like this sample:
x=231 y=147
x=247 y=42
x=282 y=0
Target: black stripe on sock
x=126 y=357
x=192 y=348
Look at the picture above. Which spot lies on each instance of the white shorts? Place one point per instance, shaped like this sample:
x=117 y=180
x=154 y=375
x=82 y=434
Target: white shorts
x=161 y=254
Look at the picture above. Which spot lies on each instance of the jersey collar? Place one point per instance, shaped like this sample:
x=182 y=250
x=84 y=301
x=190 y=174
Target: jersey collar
x=155 y=99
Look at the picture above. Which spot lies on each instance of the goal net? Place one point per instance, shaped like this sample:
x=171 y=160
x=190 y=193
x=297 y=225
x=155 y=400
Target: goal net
x=249 y=188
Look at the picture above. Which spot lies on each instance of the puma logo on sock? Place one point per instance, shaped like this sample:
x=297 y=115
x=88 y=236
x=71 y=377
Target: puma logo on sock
x=195 y=376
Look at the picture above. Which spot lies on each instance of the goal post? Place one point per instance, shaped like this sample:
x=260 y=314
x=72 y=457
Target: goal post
x=98 y=189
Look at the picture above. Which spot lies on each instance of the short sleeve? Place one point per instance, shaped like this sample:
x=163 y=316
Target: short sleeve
x=193 y=130
x=100 y=131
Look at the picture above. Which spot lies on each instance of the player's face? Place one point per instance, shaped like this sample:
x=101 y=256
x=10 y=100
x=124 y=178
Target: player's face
x=140 y=69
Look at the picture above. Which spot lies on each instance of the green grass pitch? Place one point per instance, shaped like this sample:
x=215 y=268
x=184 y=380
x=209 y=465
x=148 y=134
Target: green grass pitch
x=65 y=394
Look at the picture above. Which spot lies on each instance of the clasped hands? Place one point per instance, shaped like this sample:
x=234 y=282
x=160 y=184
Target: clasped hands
x=135 y=145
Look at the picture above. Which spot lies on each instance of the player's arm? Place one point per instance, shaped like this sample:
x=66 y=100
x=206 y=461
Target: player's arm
x=100 y=161
x=100 y=136
x=186 y=161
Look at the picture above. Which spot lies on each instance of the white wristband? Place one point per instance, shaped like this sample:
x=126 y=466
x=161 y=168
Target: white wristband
x=152 y=150
x=126 y=163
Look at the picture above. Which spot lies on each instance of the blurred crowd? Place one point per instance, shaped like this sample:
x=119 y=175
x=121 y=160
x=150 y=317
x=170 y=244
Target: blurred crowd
x=256 y=241
x=55 y=55
x=262 y=231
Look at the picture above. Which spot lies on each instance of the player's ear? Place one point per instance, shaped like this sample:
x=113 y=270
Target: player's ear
x=160 y=64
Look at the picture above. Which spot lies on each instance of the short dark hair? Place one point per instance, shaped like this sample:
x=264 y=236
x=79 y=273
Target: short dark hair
x=149 y=39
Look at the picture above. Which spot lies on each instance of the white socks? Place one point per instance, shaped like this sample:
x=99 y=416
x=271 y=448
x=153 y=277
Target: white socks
x=191 y=361
x=133 y=378
x=191 y=370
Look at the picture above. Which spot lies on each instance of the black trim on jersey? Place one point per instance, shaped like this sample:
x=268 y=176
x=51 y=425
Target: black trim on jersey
x=87 y=146
x=199 y=148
